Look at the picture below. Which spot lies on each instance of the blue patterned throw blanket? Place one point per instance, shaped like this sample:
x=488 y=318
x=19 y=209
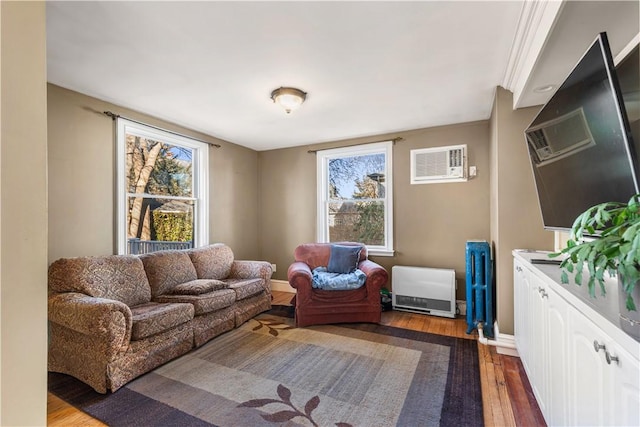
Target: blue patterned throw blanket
x=322 y=279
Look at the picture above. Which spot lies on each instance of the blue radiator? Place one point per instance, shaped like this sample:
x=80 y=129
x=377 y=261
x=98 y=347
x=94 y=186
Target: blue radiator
x=479 y=289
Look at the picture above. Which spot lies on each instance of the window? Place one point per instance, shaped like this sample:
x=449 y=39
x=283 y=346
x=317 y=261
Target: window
x=355 y=196
x=162 y=190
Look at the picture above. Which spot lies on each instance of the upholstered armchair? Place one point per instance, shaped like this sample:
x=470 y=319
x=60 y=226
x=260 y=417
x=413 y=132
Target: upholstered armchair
x=321 y=306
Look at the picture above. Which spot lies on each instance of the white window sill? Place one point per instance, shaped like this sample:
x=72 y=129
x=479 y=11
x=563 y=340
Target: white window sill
x=380 y=252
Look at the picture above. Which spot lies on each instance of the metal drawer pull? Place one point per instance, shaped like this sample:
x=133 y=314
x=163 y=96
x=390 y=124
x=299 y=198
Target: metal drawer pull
x=611 y=358
x=597 y=346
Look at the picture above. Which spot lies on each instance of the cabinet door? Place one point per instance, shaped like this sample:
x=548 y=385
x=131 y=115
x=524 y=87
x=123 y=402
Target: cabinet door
x=590 y=386
x=539 y=353
x=556 y=309
x=521 y=311
x=626 y=386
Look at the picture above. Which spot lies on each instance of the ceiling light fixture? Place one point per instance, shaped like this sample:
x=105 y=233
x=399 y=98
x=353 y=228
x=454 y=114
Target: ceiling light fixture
x=288 y=98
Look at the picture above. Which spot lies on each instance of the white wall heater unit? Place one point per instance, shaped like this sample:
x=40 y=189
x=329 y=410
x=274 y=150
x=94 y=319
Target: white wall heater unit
x=424 y=290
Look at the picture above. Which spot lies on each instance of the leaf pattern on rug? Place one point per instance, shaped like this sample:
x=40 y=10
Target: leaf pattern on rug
x=273 y=325
x=286 y=415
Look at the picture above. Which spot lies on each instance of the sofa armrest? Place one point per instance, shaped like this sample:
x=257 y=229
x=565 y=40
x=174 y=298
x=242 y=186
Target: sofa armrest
x=108 y=321
x=299 y=276
x=252 y=270
x=377 y=278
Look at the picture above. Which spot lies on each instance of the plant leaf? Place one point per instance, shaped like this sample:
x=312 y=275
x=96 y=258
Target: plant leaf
x=630 y=304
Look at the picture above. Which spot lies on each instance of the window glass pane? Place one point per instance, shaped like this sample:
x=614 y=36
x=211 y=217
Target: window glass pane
x=154 y=224
x=158 y=168
x=357 y=177
x=357 y=222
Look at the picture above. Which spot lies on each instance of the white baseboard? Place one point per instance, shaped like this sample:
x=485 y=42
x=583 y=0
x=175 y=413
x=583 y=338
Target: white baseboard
x=505 y=343
x=281 y=286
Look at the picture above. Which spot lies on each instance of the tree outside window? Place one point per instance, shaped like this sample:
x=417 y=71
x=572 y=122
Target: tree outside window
x=354 y=196
x=163 y=195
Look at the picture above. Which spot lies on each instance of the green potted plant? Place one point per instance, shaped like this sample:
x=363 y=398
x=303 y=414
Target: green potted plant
x=616 y=250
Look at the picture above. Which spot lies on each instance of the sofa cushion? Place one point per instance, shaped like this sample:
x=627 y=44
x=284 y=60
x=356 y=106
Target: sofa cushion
x=152 y=318
x=166 y=269
x=343 y=259
x=213 y=261
x=204 y=303
x=116 y=277
x=197 y=287
x=245 y=288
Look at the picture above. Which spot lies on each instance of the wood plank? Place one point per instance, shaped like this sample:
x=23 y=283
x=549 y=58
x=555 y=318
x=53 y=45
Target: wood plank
x=524 y=405
x=61 y=414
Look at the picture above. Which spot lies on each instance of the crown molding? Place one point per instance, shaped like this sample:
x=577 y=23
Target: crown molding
x=537 y=19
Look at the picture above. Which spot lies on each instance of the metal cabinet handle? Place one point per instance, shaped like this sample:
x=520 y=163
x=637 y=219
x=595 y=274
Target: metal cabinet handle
x=611 y=358
x=518 y=269
x=543 y=292
x=597 y=346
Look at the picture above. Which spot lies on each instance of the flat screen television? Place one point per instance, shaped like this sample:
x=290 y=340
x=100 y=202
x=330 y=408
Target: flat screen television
x=580 y=143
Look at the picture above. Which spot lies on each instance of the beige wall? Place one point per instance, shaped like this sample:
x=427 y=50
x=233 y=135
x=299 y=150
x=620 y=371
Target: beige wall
x=516 y=222
x=432 y=221
x=23 y=215
x=82 y=180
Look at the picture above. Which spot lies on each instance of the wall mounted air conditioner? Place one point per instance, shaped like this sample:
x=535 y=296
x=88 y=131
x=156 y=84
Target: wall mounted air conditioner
x=424 y=290
x=439 y=164
x=560 y=137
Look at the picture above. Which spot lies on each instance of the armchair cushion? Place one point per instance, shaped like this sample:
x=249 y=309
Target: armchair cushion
x=197 y=287
x=323 y=279
x=343 y=259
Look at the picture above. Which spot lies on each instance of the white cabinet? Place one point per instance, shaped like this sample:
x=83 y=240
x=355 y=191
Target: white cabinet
x=582 y=368
x=521 y=310
x=556 y=315
x=626 y=384
x=588 y=373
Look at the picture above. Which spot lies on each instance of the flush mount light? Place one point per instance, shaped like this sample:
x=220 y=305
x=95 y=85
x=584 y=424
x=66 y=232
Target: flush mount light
x=545 y=88
x=288 y=98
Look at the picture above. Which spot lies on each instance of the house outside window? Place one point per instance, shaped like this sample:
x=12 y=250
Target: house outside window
x=162 y=190
x=355 y=196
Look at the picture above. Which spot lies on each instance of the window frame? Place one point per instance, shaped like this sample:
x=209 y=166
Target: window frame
x=322 y=202
x=200 y=179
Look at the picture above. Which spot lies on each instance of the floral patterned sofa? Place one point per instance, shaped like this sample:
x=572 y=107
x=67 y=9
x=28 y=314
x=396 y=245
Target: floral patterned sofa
x=116 y=317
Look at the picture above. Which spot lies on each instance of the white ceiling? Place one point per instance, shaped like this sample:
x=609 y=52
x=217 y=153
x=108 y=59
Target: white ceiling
x=369 y=68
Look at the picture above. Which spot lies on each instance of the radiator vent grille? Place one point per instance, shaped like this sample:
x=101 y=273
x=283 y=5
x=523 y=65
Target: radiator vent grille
x=439 y=164
x=426 y=304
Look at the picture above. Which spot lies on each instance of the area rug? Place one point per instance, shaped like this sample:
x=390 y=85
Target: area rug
x=267 y=372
